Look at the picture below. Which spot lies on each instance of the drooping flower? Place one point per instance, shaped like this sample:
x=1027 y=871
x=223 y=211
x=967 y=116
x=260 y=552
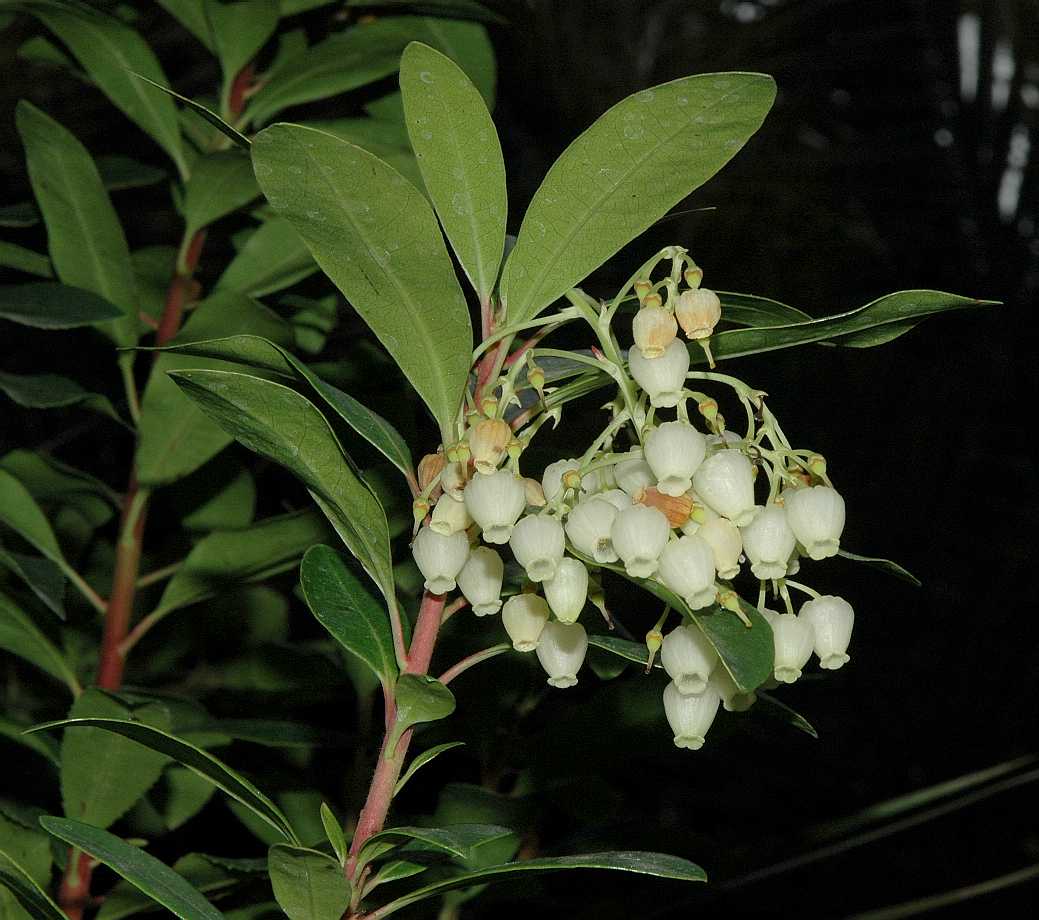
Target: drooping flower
x=793 y=644
x=480 y=580
x=589 y=526
x=733 y=698
x=561 y=650
x=687 y=568
x=639 y=535
x=830 y=619
x=524 y=617
x=552 y=478
x=725 y=481
x=654 y=328
x=698 y=312
x=567 y=590
x=816 y=516
x=768 y=542
x=495 y=501
x=449 y=515
x=688 y=657
x=663 y=378
x=488 y=440
x=440 y=558
x=673 y=451
x=725 y=541
x=690 y=715
x=634 y=475
x=538 y=542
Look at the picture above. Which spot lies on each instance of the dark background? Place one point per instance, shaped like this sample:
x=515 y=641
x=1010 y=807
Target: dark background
x=878 y=170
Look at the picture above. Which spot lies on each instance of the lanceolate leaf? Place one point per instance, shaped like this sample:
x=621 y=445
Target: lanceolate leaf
x=19 y=511
x=220 y=184
x=461 y=161
x=51 y=391
x=215 y=120
x=19 y=635
x=350 y=614
x=26 y=892
x=885 y=565
x=25 y=260
x=273 y=258
x=47 y=305
x=43 y=576
x=622 y=648
x=86 y=241
x=141 y=869
x=625 y=172
x=276 y=422
x=458 y=841
x=377 y=238
x=422 y=759
x=202 y=763
x=308 y=884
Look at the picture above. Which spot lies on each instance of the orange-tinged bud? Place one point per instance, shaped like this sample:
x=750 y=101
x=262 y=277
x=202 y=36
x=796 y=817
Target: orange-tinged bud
x=488 y=441
x=698 y=312
x=654 y=329
x=817 y=464
x=676 y=509
x=429 y=467
x=419 y=510
x=708 y=409
x=642 y=287
x=693 y=276
x=652 y=299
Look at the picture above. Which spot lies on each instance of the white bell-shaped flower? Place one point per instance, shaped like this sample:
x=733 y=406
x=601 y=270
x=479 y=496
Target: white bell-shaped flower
x=831 y=620
x=480 y=580
x=524 y=617
x=538 y=543
x=725 y=481
x=561 y=651
x=449 y=515
x=654 y=328
x=440 y=558
x=616 y=497
x=552 y=478
x=495 y=501
x=673 y=451
x=688 y=658
x=794 y=643
x=690 y=715
x=598 y=480
x=726 y=543
x=816 y=516
x=567 y=590
x=733 y=698
x=698 y=312
x=488 y=440
x=663 y=378
x=687 y=568
x=768 y=542
x=453 y=480
x=639 y=535
x=589 y=525
x=634 y=475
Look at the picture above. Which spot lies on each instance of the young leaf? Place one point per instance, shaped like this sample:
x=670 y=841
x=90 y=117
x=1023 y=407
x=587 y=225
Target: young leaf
x=277 y=423
x=458 y=152
x=377 y=238
x=422 y=759
x=48 y=305
x=19 y=635
x=773 y=707
x=140 y=869
x=26 y=891
x=334 y=833
x=86 y=241
x=660 y=865
x=634 y=164
x=349 y=613
x=195 y=759
x=274 y=257
x=220 y=184
x=51 y=391
x=885 y=565
x=308 y=885
x=25 y=260
x=111 y=52
x=420 y=698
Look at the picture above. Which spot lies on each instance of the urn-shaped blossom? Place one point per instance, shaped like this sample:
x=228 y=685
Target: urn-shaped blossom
x=639 y=535
x=726 y=543
x=733 y=698
x=688 y=658
x=561 y=651
x=449 y=516
x=552 y=478
x=768 y=542
x=440 y=558
x=524 y=617
x=698 y=312
x=453 y=479
x=830 y=619
x=616 y=497
x=634 y=475
x=690 y=715
x=687 y=568
x=567 y=590
x=725 y=481
x=480 y=580
x=654 y=328
x=538 y=542
x=816 y=516
x=589 y=525
x=495 y=501
x=488 y=440
x=673 y=451
x=663 y=378
x=793 y=644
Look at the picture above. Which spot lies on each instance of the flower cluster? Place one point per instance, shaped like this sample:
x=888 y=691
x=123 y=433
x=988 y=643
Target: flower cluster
x=688 y=504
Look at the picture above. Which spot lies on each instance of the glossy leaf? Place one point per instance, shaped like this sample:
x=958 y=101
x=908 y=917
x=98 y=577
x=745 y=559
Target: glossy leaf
x=111 y=52
x=277 y=423
x=351 y=615
x=376 y=237
x=25 y=260
x=86 y=241
x=308 y=885
x=141 y=869
x=195 y=759
x=272 y=733
x=634 y=164
x=885 y=565
x=51 y=391
x=220 y=184
x=26 y=891
x=44 y=577
x=660 y=865
x=273 y=258
x=420 y=698
x=422 y=759
x=232 y=133
x=458 y=152
x=750 y=310
x=202 y=873
x=20 y=636
x=48 y=305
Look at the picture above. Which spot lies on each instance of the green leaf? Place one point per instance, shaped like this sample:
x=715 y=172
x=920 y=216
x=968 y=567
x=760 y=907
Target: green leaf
x=463 y=9
x=313 y=321
x=274 y=257
x=885 y=565
x=102 y=776
x=25 y=260
x=26 y=891
x=459 y=841
x=220 y=184
x=467 y=44
x=224 y=559
x=377 y=238
x=634 y=164
x=185 y=794
x=773 y=707
x=351 y=615
x=141 y=869
x=308 y=884
x=44 y=577
x=334 y=833
x=86 y=241
x=195 y=759
x=111 y=52
x=52 y=483
x=202 y=873
x=231 y=508
x=420 y=698
x=119 y=173
x=44 y=746
x=461 y=161
x=622 y=648
x=19 y=635
x=750 y=310
x=239 y=30
x=422 y=759
x=192 y=15
x=233 y=134
x=48 y=305
x=51 y=391
x=19 y=511
x=22 y=214
x=273 y=733
x=658 y=864
x=280 y=424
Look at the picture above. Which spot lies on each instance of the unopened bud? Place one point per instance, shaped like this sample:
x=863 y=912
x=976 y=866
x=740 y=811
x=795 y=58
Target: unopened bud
x=693 y=275
x=458 y=453
x=708 y=409
x=817 y=464
x=571 y=479
x=489 y=406
x=642 y=287
x=516 y=447
x=654 y=328
x=698 y=312
x=536 y=377
x=429 y=468
x=488 y=441
x=676 y=508
x=534 y=492
x=654 y=639
x=652 y=299
x=419 y=510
